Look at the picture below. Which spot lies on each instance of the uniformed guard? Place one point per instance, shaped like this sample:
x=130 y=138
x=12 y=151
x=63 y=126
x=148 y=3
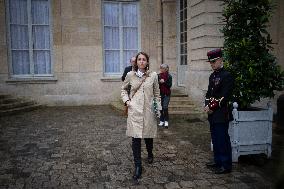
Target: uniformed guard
x=216 y=105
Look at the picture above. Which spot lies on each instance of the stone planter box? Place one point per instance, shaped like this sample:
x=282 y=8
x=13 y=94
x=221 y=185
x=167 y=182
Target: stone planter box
x=251 y=132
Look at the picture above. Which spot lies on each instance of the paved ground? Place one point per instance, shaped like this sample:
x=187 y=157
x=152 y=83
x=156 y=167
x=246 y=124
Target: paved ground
x=86 y=147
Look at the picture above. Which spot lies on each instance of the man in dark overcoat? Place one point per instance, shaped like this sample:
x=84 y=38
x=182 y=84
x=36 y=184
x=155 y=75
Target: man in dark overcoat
x=128 y=68
x=216 y=105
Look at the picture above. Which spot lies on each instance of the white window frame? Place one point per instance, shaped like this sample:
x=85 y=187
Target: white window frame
x=32 y=74
x=179 y=33
x=105 y=74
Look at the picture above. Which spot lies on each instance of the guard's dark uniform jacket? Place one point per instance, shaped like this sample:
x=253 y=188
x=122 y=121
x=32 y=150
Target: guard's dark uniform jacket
x=220 y=85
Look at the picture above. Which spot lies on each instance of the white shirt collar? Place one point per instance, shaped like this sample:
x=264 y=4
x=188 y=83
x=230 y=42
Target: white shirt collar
x=139 y=73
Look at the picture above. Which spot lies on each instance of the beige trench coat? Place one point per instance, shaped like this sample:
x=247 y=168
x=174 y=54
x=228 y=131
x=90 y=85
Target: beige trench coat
x=141 y=120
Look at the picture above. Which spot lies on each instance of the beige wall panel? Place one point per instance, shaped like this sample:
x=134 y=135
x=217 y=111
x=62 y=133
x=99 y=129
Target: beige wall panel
x=148 y=18
x=197 y=85
x=191 y=3
x=57 y=59
x=78 y=59
x=57 y=37
x=71 y=58
x=2 y=23
x=206 y=42
x=204 y=19
x=200 y=65
x=197 y=9
x=169 y=36
x=3 y=60
x=214 y=6
x=3 y=40
x=96 y=8
x=66 y=8
x=206 y=30
x=81 y=8
x=199 y=54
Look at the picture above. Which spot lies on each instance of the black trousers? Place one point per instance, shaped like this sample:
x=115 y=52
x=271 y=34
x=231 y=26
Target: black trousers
x=221 y=145
x=136 y=149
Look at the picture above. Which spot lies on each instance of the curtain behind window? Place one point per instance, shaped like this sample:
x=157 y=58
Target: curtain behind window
x=24 y=49
x=120 y=35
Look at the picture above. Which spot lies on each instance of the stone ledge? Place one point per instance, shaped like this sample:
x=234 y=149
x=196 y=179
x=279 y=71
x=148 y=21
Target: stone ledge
x=38 y=80
x=111 y=79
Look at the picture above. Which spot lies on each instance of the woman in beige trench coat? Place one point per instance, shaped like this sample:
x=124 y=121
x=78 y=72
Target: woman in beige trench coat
x=141 y=120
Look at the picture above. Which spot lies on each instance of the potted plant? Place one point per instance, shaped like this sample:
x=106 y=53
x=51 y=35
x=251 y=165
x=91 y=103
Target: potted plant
x=248 y=57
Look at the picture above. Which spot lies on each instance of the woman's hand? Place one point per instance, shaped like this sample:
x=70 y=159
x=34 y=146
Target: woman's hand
x=162 y=80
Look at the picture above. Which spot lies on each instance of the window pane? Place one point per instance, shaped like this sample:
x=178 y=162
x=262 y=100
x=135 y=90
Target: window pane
x=112 y=64
x=185 y=14
x=183 y=32
x=120 y=47
x=111 y=17
x=42 y=62
x=41 y=37
x=20 y=62
x=111 y=38
x=130 y=38
x=19 y=37
x=181 y=15
x=181 y=26
x=18 y=11
x=129 y=14
x=40 y=12
x=181 y=4
x=184 y=60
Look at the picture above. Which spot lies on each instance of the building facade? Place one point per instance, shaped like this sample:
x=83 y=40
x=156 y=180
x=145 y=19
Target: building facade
x=73 y=52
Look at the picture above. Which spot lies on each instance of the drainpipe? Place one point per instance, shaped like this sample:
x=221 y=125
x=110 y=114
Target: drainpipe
x=160 y=32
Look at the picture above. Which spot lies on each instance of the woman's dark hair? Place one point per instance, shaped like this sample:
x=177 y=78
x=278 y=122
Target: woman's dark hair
x=147 y=58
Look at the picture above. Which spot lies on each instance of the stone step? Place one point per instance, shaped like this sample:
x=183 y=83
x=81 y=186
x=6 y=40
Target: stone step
x=181 y=107
x=180 y=102
x=8 y=99
x=20 y=109
x=180 y=98
x=16 y=104
x=10 y=104
x=4 y=96
x=188 y=114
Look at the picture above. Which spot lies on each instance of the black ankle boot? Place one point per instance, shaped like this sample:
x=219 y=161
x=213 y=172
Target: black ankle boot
x=137 y=172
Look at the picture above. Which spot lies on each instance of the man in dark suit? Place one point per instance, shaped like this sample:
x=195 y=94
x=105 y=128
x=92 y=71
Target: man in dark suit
x=216 y=105
x=128 y=68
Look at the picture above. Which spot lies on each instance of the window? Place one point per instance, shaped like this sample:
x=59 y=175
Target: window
x=120 y=35
x=183 y=32
x=29 y=38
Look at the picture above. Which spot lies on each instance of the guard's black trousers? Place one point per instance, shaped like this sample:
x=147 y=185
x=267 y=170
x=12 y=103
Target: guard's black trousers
x=136 y=149
x=221 y=145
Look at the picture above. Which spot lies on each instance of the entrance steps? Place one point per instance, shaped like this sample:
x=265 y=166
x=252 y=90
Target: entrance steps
x=180 y=106
x=11 y=105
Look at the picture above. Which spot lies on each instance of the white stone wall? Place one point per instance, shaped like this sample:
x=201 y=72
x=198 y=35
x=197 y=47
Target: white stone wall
x=204 y=24
x=203 y=35
x=78 y=55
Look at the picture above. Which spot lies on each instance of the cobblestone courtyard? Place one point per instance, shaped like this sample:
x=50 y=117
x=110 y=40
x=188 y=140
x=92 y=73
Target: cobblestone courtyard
x=86 y=147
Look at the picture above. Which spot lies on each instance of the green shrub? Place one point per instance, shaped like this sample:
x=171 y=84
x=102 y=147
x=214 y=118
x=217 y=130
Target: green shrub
x=247 y=50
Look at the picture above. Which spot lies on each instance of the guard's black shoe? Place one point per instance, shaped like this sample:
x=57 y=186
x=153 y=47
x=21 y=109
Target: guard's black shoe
x=211 y=164
x=137 y=174
x=222 y=170
x=150 y=159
